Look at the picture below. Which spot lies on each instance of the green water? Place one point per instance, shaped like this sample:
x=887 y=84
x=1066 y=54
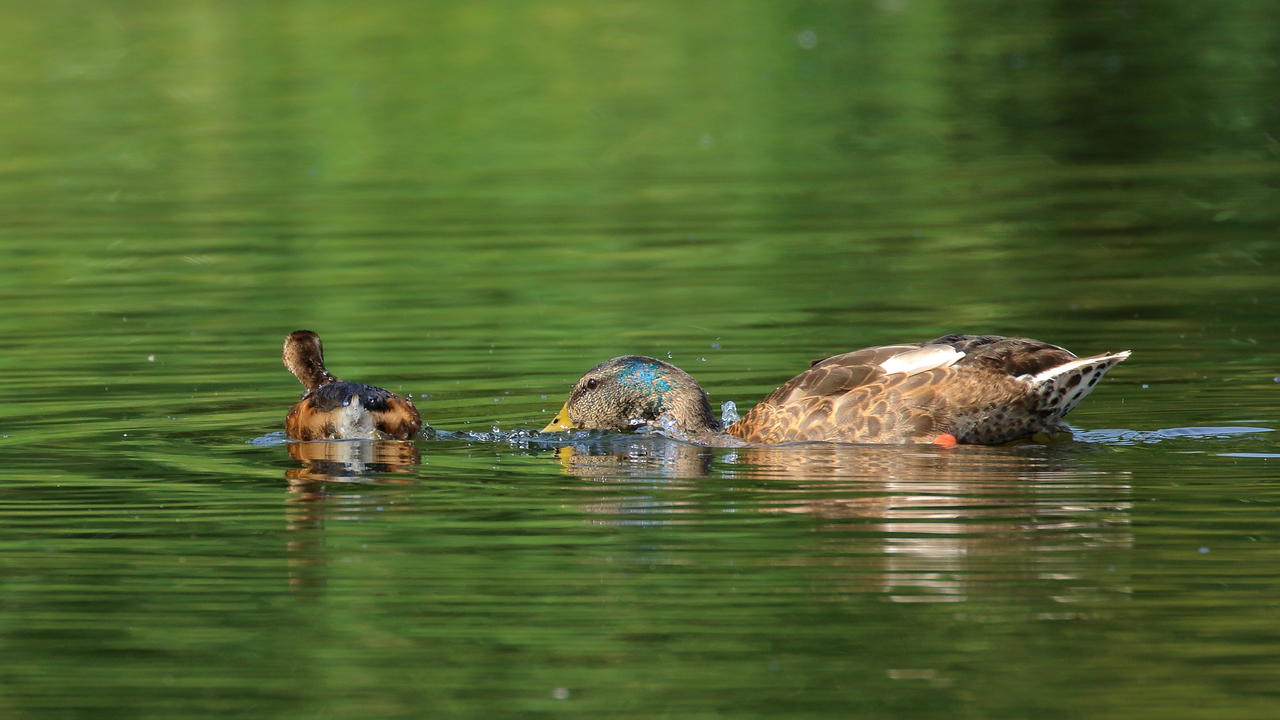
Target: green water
x=474 y=203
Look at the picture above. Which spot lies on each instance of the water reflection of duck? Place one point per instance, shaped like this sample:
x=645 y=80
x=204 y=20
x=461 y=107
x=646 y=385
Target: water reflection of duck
x=314 y=495
x=981 y=389
x=656 y=457
x=332 y=409
x=918 y=523
x=336 y=460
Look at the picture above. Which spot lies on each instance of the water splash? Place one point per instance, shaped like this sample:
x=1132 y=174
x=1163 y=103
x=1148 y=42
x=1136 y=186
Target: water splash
x=522 y=438
x=729 y=413
x=271 y=439
x=667 y=425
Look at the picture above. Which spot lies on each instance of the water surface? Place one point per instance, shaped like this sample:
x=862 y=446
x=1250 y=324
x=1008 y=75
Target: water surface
x=476 y=204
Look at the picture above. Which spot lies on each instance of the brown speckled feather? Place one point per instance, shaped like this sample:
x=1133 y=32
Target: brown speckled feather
x=334 y=410
x=305 y=422
x=1007 y=356
x=399 y=421
x=339 y=410
x=990 y=395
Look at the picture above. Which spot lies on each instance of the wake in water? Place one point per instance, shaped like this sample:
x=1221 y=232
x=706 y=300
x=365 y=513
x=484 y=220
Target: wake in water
x=1150 y=437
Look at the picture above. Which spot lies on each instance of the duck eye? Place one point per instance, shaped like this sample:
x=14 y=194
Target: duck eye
x=592 y=383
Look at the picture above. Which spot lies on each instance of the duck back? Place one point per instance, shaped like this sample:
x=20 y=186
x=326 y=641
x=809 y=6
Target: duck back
x=982 y=389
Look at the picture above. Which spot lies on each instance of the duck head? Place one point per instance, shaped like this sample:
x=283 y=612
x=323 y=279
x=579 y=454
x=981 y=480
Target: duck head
x=632 y=390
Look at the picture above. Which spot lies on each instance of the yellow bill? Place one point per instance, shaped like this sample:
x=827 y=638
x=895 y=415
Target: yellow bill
x=561 y=421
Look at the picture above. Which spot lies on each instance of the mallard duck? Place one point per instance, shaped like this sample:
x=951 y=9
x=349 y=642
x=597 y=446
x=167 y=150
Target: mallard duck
x=979 y=389
x=334 y=410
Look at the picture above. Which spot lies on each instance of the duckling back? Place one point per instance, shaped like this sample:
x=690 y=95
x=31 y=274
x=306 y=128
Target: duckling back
x=331 y=409
x=348 y=410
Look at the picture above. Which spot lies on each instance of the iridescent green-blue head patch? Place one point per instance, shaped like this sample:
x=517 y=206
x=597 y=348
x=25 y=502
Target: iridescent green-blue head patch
x=647 y=376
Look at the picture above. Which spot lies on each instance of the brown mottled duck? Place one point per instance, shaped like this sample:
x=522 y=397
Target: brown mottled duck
x=334 y=410
x=978 y=389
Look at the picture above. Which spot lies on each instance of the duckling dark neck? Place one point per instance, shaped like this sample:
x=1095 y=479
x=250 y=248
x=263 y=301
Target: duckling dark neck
x=304 y=357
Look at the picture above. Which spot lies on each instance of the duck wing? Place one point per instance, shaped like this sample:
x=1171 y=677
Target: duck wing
x=1011 y=356
x=822 y=403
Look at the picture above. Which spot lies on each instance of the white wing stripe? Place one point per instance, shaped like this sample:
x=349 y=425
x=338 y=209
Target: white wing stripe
x=919 y=360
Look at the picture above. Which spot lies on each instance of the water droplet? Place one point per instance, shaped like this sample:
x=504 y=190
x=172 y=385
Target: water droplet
x=151 y=358
x=1204 y=550
x=497 y=399
x=715 y=346
x=728 y=412
x=124 y=435
x=1276 y=379
x=544 y=397
x=669 y=426
x=702 y=359
x=560 y=693
x=1145 y=386
x=668 y=354
x=807 y=39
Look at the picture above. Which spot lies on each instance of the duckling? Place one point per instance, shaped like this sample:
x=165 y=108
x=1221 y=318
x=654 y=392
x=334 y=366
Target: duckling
x=334 y=410
x=977 y=389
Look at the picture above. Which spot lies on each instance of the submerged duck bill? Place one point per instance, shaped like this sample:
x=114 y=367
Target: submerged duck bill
x=561 y=421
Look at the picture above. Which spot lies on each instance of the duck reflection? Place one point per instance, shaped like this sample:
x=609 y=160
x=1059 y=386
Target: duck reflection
x=328 y=465
x=931 y=523
x=336 y=460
